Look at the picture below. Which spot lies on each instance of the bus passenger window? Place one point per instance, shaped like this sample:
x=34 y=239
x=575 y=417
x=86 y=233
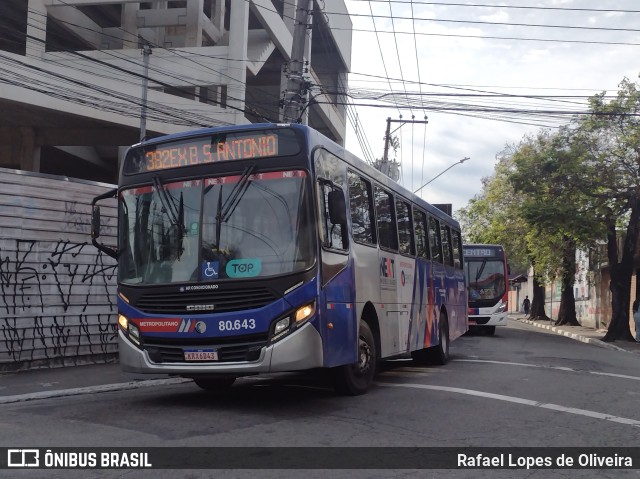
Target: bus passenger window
x=420 y=228
x=405 y=230
x=434 y=240
x=361 y=208
x=457 y=250
x=387 y=234
x=446 y=245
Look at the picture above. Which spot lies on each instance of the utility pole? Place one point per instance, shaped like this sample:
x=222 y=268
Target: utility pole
x=295 y=94
x=146 y=52
x=385 y=159
x=392 y=169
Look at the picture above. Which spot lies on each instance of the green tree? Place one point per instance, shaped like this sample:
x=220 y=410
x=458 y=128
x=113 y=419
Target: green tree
x=562 y=216
x=609 y=140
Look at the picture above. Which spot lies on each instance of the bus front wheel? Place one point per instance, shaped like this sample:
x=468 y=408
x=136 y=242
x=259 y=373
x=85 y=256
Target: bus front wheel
x=354 y=379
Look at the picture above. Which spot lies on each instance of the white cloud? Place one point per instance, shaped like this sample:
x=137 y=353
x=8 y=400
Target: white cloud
x=499 y=16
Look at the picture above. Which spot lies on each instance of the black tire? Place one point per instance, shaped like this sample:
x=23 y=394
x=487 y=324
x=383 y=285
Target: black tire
x=355 y=379
x=435 y=355
x=489 y=330
x=215 y=384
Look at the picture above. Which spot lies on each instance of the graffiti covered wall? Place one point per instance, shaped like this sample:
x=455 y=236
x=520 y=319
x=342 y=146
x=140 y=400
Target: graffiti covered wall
x=57 y=304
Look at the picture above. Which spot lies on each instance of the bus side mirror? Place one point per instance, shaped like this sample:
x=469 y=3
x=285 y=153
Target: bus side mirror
x=337 y=207
x=95 y=222
x=508 y=268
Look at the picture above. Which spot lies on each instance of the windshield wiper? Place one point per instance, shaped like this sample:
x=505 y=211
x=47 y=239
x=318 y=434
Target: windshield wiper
x=237 y=193
x=224 y=211
x=176 y=214
x=166 y=202
x=479 y=273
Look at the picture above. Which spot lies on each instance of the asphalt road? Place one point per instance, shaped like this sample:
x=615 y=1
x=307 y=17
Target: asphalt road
x=520 y=388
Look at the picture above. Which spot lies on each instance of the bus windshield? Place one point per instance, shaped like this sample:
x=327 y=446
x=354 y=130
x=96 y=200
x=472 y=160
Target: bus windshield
x=241 y=226
x=485 y=278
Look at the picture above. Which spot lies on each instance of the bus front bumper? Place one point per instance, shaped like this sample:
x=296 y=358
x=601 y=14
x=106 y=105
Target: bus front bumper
x=299 y=351
x=488 y=319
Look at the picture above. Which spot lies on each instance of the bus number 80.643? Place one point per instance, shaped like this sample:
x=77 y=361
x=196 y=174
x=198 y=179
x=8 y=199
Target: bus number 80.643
x=237 y=325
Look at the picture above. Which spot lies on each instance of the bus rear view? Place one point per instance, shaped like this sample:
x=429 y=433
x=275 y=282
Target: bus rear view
x=486 y=271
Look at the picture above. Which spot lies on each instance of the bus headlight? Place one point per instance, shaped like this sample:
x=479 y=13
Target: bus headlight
x=281 y=326
x=134 y=333
x=292 y=321
x=130 y=330
x=502 y=308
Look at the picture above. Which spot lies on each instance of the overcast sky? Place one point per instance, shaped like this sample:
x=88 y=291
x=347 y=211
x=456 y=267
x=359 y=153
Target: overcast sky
x=472 y=65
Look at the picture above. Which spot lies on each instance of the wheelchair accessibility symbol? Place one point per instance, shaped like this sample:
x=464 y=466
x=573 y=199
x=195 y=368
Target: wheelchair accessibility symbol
x=210 y=269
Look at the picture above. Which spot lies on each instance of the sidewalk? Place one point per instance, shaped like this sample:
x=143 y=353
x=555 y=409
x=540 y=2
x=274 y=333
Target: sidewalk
x=74 y=380
x=579 y=333
x=105 y=377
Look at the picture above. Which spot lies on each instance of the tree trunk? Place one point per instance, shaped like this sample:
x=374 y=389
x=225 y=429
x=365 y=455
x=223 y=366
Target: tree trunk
x=621 y=273
x=537 y=303
x=567 y=312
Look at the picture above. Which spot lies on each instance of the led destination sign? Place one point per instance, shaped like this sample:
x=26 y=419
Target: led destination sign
x=210 y=149
x=482 y=252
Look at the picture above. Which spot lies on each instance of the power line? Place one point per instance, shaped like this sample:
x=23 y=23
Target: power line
x=493 y=37
x=380 y=49
x=566 y=9
x=483 y=22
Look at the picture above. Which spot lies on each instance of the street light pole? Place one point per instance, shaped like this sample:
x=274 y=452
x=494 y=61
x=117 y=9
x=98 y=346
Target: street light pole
x=443 y=172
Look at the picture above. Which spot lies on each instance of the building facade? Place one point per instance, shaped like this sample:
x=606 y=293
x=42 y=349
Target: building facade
x=75 y=80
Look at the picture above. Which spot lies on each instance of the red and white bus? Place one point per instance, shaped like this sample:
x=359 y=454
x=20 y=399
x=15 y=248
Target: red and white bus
x=486 y=270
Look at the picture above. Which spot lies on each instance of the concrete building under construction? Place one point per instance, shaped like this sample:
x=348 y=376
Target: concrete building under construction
x=73 y=71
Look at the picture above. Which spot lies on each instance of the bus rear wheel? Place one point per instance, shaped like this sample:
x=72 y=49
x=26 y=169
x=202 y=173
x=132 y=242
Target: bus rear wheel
x=436 y=355
x=354 y=379
x=215 y=384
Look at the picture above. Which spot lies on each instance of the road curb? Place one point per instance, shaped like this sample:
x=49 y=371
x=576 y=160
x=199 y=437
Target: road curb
x=103 y=388
x=569 y=334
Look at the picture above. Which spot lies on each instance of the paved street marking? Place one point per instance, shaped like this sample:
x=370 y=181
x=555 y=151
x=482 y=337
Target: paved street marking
x=558 y=368
x=517 y=400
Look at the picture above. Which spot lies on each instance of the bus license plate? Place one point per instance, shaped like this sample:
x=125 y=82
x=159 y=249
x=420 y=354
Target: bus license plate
x=201 y=355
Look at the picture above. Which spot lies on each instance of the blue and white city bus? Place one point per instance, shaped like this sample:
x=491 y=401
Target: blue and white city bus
x=265 y=248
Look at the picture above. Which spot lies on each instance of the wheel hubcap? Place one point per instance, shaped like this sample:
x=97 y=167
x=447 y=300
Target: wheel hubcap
x=364 y=360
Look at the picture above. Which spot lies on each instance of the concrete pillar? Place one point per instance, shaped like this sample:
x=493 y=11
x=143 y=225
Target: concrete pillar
x=36 y=28
x=193 y=36
x=130 y=25
x=217 y=15
x=238 y=41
